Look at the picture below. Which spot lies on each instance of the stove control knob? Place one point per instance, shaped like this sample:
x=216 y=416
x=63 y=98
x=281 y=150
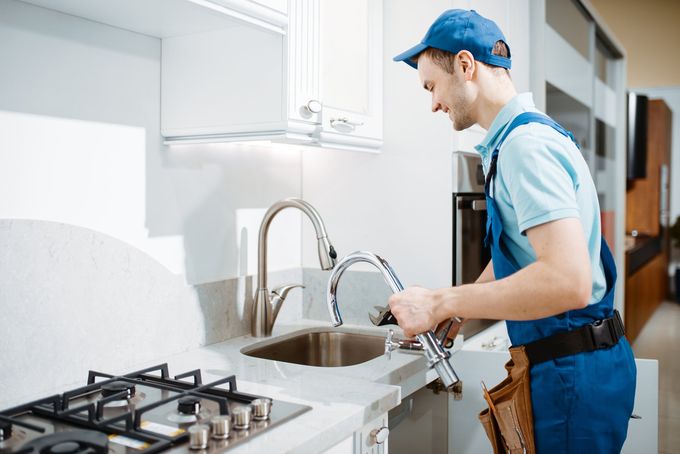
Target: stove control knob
x=189 y=405
x=242 y=417
x=261 y=408
x=198 y=436
x=220 y=426
x=380 y=435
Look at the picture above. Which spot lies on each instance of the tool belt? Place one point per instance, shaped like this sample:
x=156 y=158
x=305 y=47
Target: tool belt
x=509 y=421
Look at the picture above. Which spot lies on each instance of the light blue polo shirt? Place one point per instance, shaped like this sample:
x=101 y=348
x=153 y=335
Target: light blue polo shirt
x=541 y=177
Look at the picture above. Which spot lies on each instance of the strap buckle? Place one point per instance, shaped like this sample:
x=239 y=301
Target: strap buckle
x=606 y=332
x=601 y=334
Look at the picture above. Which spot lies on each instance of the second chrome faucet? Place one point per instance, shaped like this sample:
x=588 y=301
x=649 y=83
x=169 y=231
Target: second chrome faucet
x=437 y=357
x=267 y=304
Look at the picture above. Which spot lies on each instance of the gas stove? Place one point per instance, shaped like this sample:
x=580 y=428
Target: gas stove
x=142 y=412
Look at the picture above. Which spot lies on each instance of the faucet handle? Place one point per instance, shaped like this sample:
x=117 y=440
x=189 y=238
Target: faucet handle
x=282 y=291
x=278 y=295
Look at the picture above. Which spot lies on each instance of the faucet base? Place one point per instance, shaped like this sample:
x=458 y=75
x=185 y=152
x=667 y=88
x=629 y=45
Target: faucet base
x=262 y=313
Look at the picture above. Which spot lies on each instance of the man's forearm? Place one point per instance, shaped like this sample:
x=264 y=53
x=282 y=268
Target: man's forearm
x=534 y=292
x=487 y=274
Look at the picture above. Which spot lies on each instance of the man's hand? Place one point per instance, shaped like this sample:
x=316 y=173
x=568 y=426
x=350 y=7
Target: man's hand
x=414 y=308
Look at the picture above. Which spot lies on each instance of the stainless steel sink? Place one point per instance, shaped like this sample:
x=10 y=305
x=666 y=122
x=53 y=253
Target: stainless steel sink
x=321 y=349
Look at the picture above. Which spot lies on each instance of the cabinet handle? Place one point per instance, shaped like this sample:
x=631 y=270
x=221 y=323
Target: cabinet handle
x=344 y=124
x=380 y=435
x=312 y=107
x=479 y=205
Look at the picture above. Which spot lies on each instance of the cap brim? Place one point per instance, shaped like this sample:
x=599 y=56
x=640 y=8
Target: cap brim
x=407 y=56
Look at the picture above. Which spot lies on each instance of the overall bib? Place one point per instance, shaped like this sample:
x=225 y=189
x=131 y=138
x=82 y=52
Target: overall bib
x=581 y=403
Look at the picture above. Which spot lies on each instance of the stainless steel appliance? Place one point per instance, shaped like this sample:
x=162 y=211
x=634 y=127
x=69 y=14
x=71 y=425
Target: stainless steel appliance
x=469 y=227
x=142 y=411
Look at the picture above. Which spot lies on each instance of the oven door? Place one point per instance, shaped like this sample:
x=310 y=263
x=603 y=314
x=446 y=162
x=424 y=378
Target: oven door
x=470 y=257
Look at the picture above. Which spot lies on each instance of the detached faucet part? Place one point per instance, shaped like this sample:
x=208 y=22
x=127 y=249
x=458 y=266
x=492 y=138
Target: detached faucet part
x=266 y=305
x=437 y=357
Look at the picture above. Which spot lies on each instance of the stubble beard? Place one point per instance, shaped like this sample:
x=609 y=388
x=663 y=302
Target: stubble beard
x=462 y=119
x=460 y=124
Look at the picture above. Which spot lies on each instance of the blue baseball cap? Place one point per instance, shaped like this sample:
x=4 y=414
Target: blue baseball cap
x=459 y=29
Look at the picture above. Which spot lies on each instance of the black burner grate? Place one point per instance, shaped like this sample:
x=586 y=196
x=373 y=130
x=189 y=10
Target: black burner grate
x=89 y=418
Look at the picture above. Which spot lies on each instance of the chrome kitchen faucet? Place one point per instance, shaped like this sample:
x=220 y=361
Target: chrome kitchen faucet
x=437 y=357
x=266 y=305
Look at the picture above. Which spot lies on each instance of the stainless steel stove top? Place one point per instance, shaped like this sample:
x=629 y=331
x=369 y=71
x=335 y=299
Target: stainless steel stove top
x=145 y=411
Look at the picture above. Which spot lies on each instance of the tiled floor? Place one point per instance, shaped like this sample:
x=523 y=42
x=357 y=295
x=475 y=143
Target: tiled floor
x=660 y=339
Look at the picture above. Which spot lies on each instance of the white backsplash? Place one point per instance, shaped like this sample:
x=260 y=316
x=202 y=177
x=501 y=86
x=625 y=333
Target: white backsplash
x=74 y=300
x=358 y=292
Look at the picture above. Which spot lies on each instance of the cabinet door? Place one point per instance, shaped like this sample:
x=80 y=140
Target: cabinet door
x=466 y=435
x=211 y=85
x=304 y=106
x=420 y=423
x=346 y=446
x=643 y=432
x=365 y=439
x=350 y=72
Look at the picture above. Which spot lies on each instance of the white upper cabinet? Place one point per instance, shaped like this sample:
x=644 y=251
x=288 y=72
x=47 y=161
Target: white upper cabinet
x=350 y=82
x=290 y=71
x=165 y=18
x=319 y=84
x=221 y=84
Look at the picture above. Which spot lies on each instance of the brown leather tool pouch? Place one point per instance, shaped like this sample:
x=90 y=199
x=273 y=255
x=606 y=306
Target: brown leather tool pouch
x=508 y=421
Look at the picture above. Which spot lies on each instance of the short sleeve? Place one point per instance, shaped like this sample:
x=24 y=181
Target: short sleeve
x=539 y=176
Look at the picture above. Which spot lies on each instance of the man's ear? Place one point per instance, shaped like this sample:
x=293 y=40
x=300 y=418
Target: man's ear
x=467 y=63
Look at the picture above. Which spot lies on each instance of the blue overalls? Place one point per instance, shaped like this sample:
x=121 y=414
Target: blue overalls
x=581 y=403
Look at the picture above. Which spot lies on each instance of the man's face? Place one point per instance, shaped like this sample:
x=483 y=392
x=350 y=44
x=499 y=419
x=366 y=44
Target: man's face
x=449 y=92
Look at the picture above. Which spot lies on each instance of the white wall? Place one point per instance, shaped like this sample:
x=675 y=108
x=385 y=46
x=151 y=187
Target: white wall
x=398 y=204
x=80 y=144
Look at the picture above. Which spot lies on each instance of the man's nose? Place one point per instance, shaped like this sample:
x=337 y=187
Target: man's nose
x=436 y=107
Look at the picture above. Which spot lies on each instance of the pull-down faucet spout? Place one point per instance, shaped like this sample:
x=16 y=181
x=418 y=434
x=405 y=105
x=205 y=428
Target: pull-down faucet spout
x=266 y=305
x=437 y=357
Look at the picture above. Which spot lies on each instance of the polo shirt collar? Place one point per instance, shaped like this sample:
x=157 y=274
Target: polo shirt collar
x=520 y=103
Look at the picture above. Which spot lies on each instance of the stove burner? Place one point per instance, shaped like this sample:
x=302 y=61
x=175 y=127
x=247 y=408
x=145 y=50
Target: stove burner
x=5 y=430
x=109 y=389
x=74 y=442
x=141 y=412
x=189 y=405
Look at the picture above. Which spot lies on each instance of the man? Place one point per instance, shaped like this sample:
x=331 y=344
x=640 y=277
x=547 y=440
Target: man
x=551 y=277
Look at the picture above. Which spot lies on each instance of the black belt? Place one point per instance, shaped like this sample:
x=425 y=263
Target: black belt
x=593 y=336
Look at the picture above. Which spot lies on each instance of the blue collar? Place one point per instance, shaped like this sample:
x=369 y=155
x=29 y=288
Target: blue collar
x=523 y=102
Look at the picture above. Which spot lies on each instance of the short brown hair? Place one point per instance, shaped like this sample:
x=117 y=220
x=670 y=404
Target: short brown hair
x=445 y=60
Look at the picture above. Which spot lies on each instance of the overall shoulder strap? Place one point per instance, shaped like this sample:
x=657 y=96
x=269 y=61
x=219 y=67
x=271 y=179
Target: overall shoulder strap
x=519 y=120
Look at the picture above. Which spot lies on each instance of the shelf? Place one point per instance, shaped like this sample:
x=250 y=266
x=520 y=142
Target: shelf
x=563 y=63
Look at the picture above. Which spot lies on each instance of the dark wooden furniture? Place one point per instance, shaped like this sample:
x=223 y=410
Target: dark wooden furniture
x=647 y=259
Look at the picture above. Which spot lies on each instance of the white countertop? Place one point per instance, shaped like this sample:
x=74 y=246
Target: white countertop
x=343 y=399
